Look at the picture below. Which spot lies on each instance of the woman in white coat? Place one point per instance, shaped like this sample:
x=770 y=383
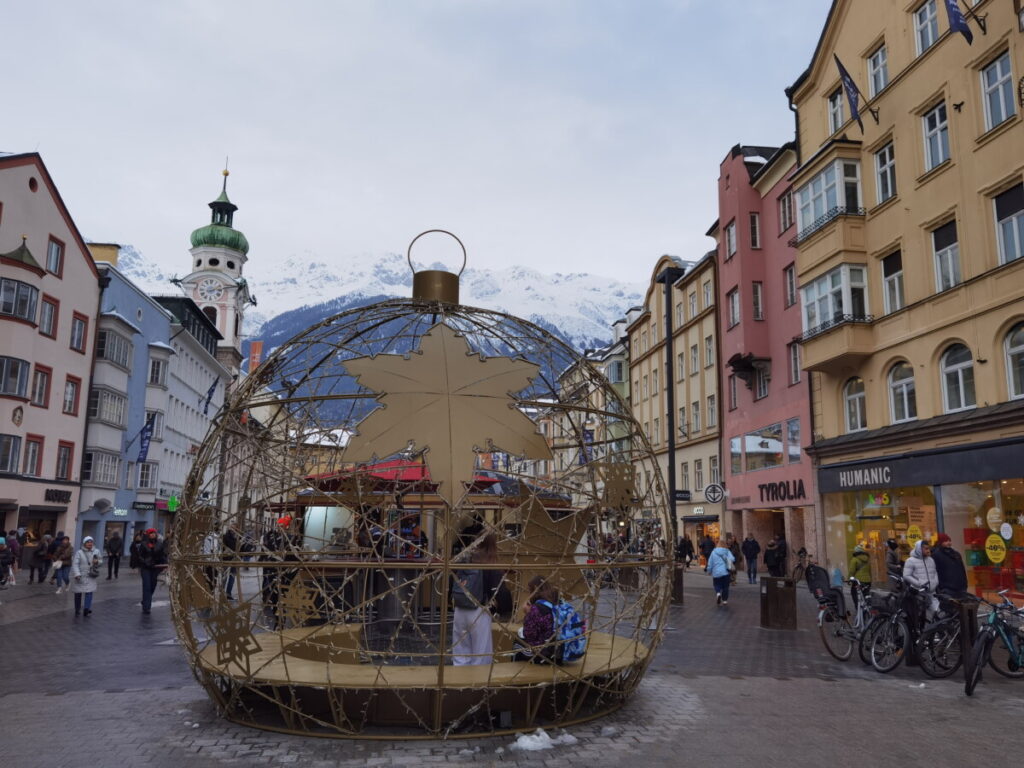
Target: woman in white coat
x=919 y=571
x=85 y=568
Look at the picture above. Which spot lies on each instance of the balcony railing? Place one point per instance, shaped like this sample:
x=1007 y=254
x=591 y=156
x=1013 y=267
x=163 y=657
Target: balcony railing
x=821 y=221
x=837 y=320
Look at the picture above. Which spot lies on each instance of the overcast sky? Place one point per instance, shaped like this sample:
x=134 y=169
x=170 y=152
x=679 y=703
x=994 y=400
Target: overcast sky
x=568 y=136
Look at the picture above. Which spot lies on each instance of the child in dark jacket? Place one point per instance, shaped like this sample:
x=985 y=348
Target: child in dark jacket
x=536 y=638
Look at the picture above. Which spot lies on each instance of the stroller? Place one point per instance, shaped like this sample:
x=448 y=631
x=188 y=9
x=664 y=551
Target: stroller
x=821 y=587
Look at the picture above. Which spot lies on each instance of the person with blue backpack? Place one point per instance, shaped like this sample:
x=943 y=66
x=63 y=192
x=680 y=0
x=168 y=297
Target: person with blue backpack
x=722 y=565
x=553 y=632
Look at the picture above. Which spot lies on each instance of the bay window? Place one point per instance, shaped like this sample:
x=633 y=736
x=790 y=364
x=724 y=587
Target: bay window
x=835 y=190
x=835 y=297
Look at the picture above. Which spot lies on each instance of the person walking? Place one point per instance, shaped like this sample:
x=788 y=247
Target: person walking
x=152 y=559
x=40 y=563
x=133 y=551
x=51 y=552
x=707 y=546
x=62 y=564
x=115 y=548
x=684 y=551
x=751 y=549
x=722 y=564
x=7 y=561
x=85 y=570
x=471 y=628
x=949 y=566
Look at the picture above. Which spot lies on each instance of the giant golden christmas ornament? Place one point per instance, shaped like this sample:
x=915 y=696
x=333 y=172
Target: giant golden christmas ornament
x=378 y=497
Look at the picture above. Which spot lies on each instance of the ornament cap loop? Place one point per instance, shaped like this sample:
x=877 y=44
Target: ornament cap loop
x=436 y=284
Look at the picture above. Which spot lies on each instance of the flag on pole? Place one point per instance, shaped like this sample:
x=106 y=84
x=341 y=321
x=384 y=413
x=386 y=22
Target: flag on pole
x=145 y=436
x=957 y=22
x=852 y=92
x=209 y=397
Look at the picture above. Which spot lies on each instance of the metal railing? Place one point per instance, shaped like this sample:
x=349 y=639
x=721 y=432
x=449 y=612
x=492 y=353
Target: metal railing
x=836 y=320
x=829 y=215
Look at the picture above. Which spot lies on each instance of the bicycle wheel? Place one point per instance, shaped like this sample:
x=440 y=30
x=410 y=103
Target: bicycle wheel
x=837 y=635
x=890 y=644
x=864 y=643
x=1003 y=660
x=939 y=649
x=979 y=655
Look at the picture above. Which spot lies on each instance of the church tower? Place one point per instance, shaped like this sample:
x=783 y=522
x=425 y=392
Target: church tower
x=215 y=282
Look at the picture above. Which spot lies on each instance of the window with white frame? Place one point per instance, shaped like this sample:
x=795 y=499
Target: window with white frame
x=755 y=230
x=733 y=392
x=1009 y=207
x=148 y=475
x=757 y=295
x=958 y=378
x=902 y=394
x=878 y=71
x=684 y=428
x=646 y=381
x=760 y=384
x=997 y=86
x=708 y=298
x=892 y=281
x=101 y=468
x=1014 y=345
x=789 y=280
x=157 y=372
x=107 y=406
x=64 y=454
x=834 y=296
x=78 y=328
x=732 y=303
x=786 y=213
x=14 y=376
x=114 y=348
x=684 y=476
x=680 y=317
x=947 y=257
x=885 y=173
x=835 y=110
x=833 y=190
x=694 y=360
x=695 y=416
x=936 y=136
x=158 y=424
x=693 y=304
x=654 y=382
x=730 y=239
x=794 y=363
x=712 y=412
x=48 y=317
x=33 y=466
x=10 y=453
x=18 y=299
x=70 y=404
x=926 y=26
x=54 y=257
x=856 y=405
x=41 y=387
x=713 y=470
x=698 y=474
x=654 y=334
x=709 y=351
x=681 y=364
x=616 y=372
x=657 y=431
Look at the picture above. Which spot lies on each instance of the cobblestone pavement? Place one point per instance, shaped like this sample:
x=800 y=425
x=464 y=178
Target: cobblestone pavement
x=113 y=690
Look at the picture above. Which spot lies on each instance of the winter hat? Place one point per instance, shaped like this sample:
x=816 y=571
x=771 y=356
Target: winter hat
x=87 y=539
x=150 y=530
x=942 y=538
x=285 y=521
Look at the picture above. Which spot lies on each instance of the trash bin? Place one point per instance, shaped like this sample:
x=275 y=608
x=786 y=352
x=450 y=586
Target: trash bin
x=778 y=603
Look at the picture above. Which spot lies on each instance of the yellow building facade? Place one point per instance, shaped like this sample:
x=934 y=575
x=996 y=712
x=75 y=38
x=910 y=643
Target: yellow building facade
x=911 y=272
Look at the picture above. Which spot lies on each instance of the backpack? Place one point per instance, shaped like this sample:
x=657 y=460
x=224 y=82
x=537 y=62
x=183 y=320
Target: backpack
x=468 y=588
x=570 y=631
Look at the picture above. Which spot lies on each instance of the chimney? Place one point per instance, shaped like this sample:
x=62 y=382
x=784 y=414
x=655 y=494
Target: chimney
x=105 y=252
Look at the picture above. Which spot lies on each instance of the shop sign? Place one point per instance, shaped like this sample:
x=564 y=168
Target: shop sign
x=786 y=490
x=1006 y=531
x=57 y=495
x=682 y=495
x=995 y=548
x=994 y=518
x=714 y=493
x=144 y=506
x=913 y=534
x=120 y=512
x=878 y=476
x=698 y=511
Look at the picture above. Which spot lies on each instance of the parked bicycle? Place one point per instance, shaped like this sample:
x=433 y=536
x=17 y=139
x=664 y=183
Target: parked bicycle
x=891 y=638
x=1004 y=624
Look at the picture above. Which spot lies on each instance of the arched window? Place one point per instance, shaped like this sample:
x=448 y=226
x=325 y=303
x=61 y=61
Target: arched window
x=211 y=312
x=902 y=396
x=856 y=405
x=958 y=378
x=1015 y=360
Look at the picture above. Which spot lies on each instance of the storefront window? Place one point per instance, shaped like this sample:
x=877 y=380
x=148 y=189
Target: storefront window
x=986 y=522
x=870 y=517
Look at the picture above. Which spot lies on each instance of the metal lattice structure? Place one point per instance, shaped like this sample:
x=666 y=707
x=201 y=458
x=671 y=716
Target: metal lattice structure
x=357 y=473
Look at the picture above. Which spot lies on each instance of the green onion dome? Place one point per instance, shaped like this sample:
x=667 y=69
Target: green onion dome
x=218 y=235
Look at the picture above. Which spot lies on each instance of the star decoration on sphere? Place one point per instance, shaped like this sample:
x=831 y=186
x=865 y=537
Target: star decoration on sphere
x=298 y=603
x=231 y=631
x=449 y=400
x=619 y=484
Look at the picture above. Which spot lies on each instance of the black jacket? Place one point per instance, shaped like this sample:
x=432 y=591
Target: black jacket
x=950 y=568
x=751 y=549
x=150 y=557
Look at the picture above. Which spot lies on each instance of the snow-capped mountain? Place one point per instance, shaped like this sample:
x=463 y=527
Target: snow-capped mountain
x=578 y=307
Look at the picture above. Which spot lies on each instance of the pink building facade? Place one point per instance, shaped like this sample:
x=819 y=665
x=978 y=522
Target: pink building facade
x=766 y=412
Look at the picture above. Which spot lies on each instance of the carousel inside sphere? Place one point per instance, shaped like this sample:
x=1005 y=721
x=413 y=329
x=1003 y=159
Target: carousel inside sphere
x=421 y=519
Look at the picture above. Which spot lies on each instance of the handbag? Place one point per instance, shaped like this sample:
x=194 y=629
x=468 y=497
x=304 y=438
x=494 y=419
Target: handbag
x=94 y=570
